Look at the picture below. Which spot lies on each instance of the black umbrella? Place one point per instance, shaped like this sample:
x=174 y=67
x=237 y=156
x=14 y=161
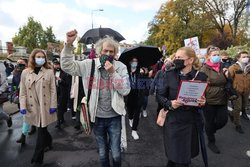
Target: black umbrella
x=93 y=35
x=146 y=55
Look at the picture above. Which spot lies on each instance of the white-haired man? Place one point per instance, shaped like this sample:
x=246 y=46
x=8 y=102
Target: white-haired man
x=106 y=104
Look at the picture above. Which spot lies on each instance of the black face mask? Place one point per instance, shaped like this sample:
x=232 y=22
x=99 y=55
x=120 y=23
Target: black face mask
x=21 y=66
x=224 y=60
x=105 y=58
x=179 y=64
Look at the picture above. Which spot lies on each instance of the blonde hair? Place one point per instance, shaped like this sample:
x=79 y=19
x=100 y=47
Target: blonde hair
x=32 y=63
x=109 y=40
x=191 y=54
x=172 y=56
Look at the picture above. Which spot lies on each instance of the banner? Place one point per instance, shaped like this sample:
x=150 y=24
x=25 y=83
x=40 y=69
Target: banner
x=193 y=43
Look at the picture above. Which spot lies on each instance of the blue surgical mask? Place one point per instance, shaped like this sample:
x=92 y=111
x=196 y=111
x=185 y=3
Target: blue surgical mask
x=133 y=65
x=215 y=59
x=40 y=61
x=202 y=60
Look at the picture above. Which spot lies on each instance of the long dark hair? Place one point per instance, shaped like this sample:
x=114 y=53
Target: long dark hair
x=137 y=68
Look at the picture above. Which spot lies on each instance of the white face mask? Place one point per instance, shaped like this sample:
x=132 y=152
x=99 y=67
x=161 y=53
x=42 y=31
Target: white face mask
x=244 y=60
x=133 y=65
x=40 y=61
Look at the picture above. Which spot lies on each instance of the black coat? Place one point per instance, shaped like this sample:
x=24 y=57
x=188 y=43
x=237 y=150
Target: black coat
x=139 y=89
x=16 y=80
x=180 y=130
x=63 y=88
x=81 y=93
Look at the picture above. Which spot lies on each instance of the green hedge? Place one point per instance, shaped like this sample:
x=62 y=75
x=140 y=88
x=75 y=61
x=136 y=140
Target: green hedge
x=234 y=50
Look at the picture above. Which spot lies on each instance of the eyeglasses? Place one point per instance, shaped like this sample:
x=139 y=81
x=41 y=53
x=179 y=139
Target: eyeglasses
x=213 y=49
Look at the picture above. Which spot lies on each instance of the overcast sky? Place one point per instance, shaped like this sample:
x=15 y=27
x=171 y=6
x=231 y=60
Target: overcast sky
x=129 y=17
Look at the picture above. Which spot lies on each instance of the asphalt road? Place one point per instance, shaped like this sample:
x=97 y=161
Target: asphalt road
x=73 y=149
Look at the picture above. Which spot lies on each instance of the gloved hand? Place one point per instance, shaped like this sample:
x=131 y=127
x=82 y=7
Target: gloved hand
x=23 y=111
x=52 y=110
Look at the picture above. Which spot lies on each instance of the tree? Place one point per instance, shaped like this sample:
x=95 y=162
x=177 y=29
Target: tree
x=234 y=19
x=212 y=21
x=79 y=47
x=49 y=36
x=176 y=21
x=220 y=12
x=33 y=36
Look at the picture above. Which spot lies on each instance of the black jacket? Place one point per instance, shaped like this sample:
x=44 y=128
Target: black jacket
x=8 y=67
x=180 y=132
x=64 y=85
x=140 y=84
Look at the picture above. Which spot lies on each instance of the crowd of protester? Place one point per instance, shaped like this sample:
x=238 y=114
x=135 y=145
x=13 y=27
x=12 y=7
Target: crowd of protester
x=46 y=90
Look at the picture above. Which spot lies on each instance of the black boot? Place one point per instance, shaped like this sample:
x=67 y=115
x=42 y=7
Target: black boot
x=9 y=122
x=37 y=165
x=58 y=125
x=213 y=147
x=77 y=127
x=239 y=129
x=32 y=130
x=231 y=117
x=21 y=139
x=48 y=148
x=244 y=115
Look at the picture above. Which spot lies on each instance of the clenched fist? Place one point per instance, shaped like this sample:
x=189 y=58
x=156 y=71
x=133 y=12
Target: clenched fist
x=71 y=36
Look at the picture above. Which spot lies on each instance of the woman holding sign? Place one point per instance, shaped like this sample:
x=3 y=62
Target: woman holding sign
x=183 y=123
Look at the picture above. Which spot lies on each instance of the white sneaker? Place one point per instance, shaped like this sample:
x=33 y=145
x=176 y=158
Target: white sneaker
x=144 y=113
x=131 y=123
x=248 y=153
x=135 y=135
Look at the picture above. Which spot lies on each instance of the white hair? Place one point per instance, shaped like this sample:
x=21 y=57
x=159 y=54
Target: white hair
x=109 y=40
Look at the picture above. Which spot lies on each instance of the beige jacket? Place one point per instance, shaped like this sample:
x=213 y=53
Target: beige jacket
x=120 y=80
x=37 y=96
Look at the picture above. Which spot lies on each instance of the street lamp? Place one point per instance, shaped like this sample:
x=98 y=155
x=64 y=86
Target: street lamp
x=95 y=10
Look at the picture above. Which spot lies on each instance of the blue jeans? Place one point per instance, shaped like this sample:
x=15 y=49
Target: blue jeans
x=108 y=136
